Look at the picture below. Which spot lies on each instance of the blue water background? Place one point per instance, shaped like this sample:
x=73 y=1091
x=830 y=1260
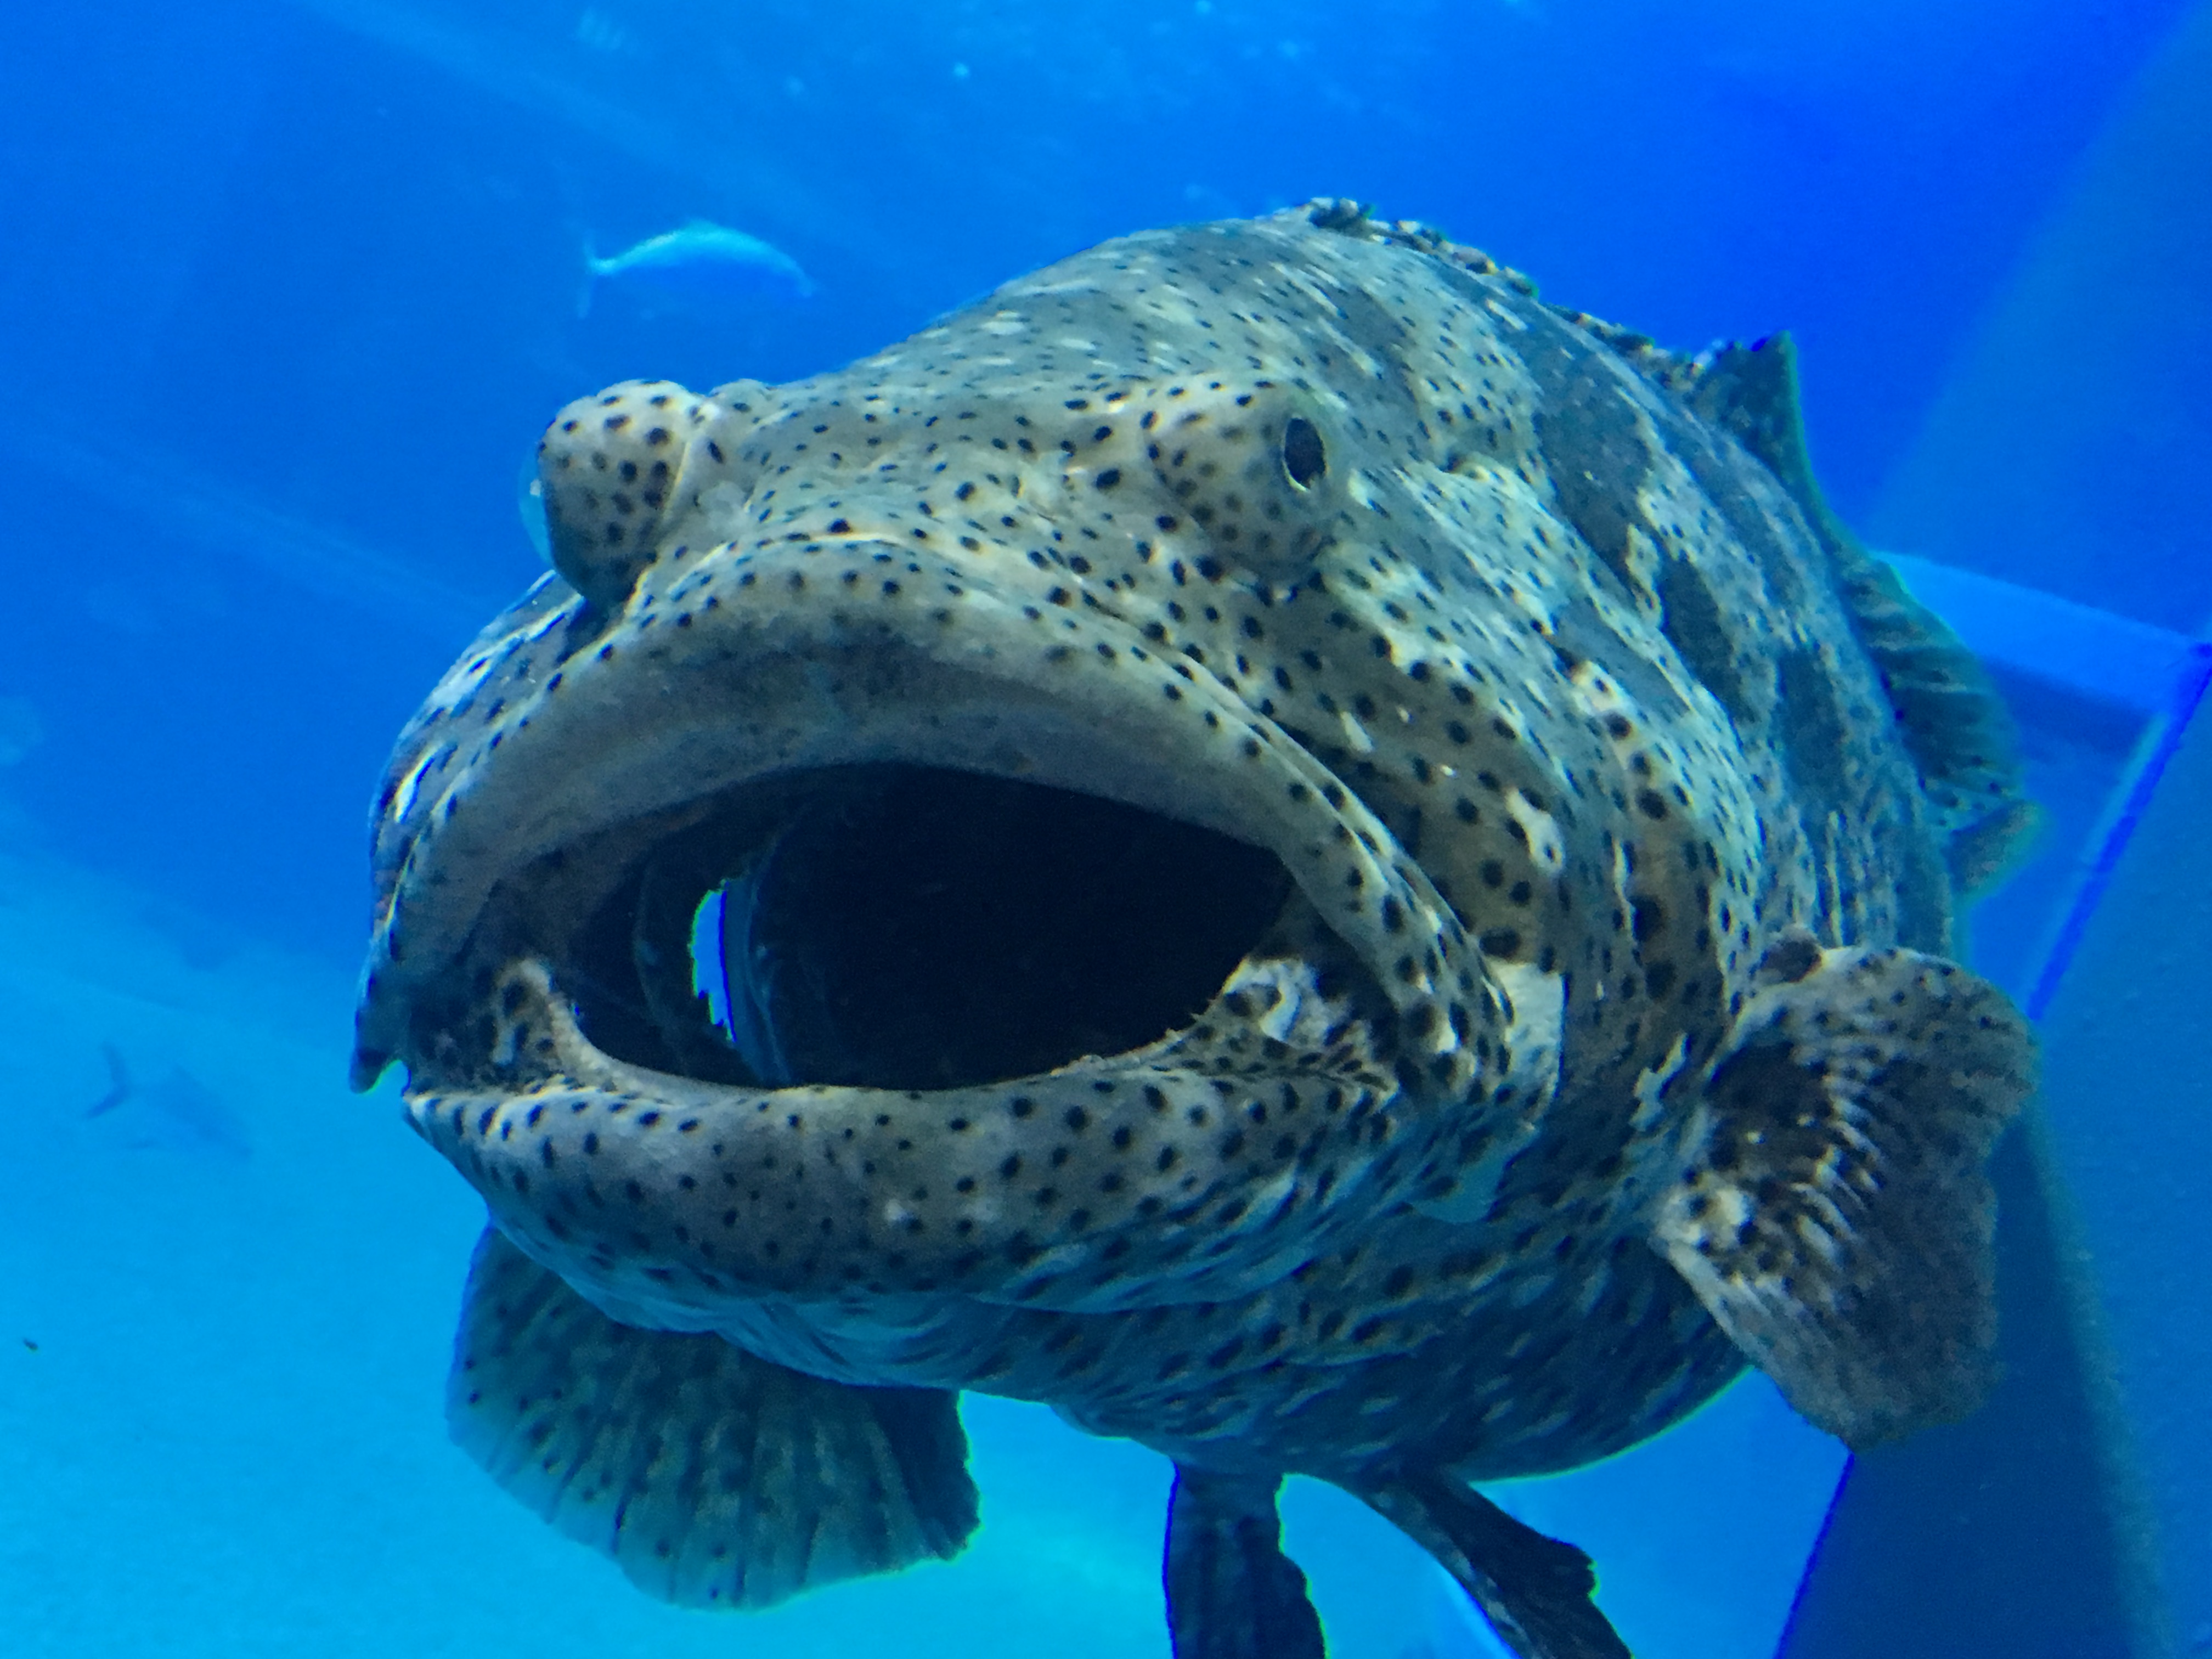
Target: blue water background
x=287 y=292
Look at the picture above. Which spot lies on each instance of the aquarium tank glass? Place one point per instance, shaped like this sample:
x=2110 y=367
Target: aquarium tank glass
x=292 y=291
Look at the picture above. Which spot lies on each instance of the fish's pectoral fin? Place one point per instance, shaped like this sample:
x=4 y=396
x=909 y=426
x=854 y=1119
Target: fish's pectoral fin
x=1834 y=1217
x=1534 y=1590
x=712 y=1478
x=1232 y=1594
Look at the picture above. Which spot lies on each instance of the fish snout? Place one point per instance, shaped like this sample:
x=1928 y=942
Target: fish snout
x=1020 y=959
x=875 y=824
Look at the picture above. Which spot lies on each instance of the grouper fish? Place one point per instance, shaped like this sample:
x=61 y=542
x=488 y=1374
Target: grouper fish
x=1262 y=837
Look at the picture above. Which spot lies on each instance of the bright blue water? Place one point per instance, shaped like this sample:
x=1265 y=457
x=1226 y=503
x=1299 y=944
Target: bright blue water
x=287 y=291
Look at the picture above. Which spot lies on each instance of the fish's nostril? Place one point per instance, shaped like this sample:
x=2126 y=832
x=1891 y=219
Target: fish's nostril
x=1304 y=460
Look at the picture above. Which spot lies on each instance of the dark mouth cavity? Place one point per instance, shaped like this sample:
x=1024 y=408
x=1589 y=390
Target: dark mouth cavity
x=908 y=927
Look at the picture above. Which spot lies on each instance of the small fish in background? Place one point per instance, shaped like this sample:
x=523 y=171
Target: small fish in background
x=119 y=1084
x=177 y=1114
x=700 y=265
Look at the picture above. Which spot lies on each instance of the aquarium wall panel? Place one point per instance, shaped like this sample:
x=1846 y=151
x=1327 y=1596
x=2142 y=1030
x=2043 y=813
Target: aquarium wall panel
x=2030 y=1528
x=2128 y=1104
x=2064 y=449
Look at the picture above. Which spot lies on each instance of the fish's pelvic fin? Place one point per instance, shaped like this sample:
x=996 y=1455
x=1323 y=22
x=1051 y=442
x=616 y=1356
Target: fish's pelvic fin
x=1232 y=1594
x=1534 y=1590
x=712 y=1478
x=1834 y=1217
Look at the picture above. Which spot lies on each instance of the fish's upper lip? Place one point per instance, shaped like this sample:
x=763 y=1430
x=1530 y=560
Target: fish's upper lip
x=833 y=661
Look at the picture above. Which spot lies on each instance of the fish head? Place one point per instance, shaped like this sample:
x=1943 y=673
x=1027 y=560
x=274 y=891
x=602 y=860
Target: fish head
x=1072 y=809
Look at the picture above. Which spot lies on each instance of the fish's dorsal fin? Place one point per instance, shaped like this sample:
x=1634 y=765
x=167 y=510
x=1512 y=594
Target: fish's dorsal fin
x=1955 y=726
x=712 y=1478
x=1834 y=1217
x=1750 y=391
x=1953 y=721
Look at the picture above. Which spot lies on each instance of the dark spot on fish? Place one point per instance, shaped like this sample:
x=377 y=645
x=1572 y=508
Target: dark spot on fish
x=1811 y=728
x=1691 y=620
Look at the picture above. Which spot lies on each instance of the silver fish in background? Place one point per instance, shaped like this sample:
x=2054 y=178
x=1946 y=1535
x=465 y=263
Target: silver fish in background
x=698 y=265
x=175 y=1113
x=1260 y=837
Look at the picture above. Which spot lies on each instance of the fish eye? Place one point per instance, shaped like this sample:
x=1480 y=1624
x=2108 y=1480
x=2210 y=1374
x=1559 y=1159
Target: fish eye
x=1304 y=458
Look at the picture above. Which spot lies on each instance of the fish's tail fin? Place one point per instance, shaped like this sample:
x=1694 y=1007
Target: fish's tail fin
x=588 y=260
x=118 y=1076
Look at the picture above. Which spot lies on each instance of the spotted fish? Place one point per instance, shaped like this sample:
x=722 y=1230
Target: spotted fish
x=1262 y=837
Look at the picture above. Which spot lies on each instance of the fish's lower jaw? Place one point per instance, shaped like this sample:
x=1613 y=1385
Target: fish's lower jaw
x=1205 y=1165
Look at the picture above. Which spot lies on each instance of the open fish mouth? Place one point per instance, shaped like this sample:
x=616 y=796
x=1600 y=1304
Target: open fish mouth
x=990 y=904
x=868 y=802
x=910 y=928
